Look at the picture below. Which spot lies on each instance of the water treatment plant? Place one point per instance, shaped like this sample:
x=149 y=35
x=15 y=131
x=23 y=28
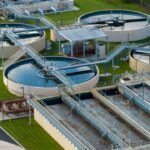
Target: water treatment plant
x=120 y=25
x=79 y=86
x=33 y=79
x=36 y=39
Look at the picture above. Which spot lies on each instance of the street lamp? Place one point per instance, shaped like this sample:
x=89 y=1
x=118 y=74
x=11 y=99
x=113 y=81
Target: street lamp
x=2 y=55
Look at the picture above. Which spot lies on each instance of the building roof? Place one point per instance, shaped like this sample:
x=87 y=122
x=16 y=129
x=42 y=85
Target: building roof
x=82 y=33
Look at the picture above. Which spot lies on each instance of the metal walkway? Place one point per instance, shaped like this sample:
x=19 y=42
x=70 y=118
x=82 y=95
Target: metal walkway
x=41 y=60
x=78 y=141
x=145 y=126
x=134 y=97
x=12 y=8
x=123 y=113
x=108 y=58
x=97 y=121
x=65 y=124
x=20 y=14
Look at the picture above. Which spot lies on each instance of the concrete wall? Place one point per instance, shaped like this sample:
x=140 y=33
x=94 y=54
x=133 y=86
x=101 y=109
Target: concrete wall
x=128 y=35
x=3 y=13
x=42 y=5
x=138 y=66
x=115 y=36
x=55 y=36
x=9 y=50
x=54 y=132
x=20 y=89
x=47 y=5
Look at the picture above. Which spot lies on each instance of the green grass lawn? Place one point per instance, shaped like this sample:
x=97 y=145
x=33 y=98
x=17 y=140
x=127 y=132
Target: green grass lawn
x=93 y=5
x=70 y=17
x=4 y=93
x=31 y=137
x=34 y=137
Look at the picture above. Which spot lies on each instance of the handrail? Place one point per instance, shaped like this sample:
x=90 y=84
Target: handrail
x=41 y=60
x=98 y=122
x=63 y=122
x=19 y=13
x=106 y=60
x=134 y=97
x=51 y=118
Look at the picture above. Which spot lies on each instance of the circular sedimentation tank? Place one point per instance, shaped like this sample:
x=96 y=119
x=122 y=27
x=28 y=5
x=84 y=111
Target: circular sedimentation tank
x=120 y=25
x=35 y=39
x=27 y=77
x=140 y=61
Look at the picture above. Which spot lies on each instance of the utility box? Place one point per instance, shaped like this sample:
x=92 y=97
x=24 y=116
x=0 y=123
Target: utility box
x=101 y=50
x=66 y=48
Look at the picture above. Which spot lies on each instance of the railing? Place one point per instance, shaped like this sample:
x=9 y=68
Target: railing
x=127 y=112
x=13 y=58
x=131 y=115
x=134 y=97
x=13 y=8
x=134 y=118
x=47 y=65
x=144 y=97
x=18 y=12
x=65 y=124
x=53 y=24
x=97 y=121
x=108 y=58
x=62 y=129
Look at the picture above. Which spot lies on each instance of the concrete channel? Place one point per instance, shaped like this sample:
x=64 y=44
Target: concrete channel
x=120 y=113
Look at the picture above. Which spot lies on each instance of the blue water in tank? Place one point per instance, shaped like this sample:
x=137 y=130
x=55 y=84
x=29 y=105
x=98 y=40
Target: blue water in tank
x=28 y=72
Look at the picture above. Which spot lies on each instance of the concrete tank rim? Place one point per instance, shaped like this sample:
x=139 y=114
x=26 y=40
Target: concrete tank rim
x=97 y=74
x=10 y=49
x=55 y=87
x=26 y=25
x=138 y=65
x=125 y=10
x=131 y=55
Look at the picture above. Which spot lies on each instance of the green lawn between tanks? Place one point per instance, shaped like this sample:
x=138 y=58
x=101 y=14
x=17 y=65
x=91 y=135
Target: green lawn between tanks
x=93 y=5
x=31 y=137
x=4 y=93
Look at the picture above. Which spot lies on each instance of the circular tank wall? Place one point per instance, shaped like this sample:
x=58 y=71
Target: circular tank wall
x=26 y=77
x=120 y=25
x=35 y=39
x=139 y=62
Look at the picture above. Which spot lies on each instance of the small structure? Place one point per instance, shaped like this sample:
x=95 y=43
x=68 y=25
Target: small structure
x=44 y=6
x=14 y=106
x=83 y=41
x=119 y=25
x=35 y=39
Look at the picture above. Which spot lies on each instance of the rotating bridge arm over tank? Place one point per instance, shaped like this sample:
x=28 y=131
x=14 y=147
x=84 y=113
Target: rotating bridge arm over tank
x=108 y=58
x=42 y=61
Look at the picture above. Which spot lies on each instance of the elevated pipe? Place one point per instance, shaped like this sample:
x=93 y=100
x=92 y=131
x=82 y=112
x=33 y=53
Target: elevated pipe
x=120 y=113
x=98 y=123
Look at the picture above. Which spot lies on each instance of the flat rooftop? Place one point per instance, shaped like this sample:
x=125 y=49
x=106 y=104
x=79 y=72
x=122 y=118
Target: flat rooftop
x=82 y=33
